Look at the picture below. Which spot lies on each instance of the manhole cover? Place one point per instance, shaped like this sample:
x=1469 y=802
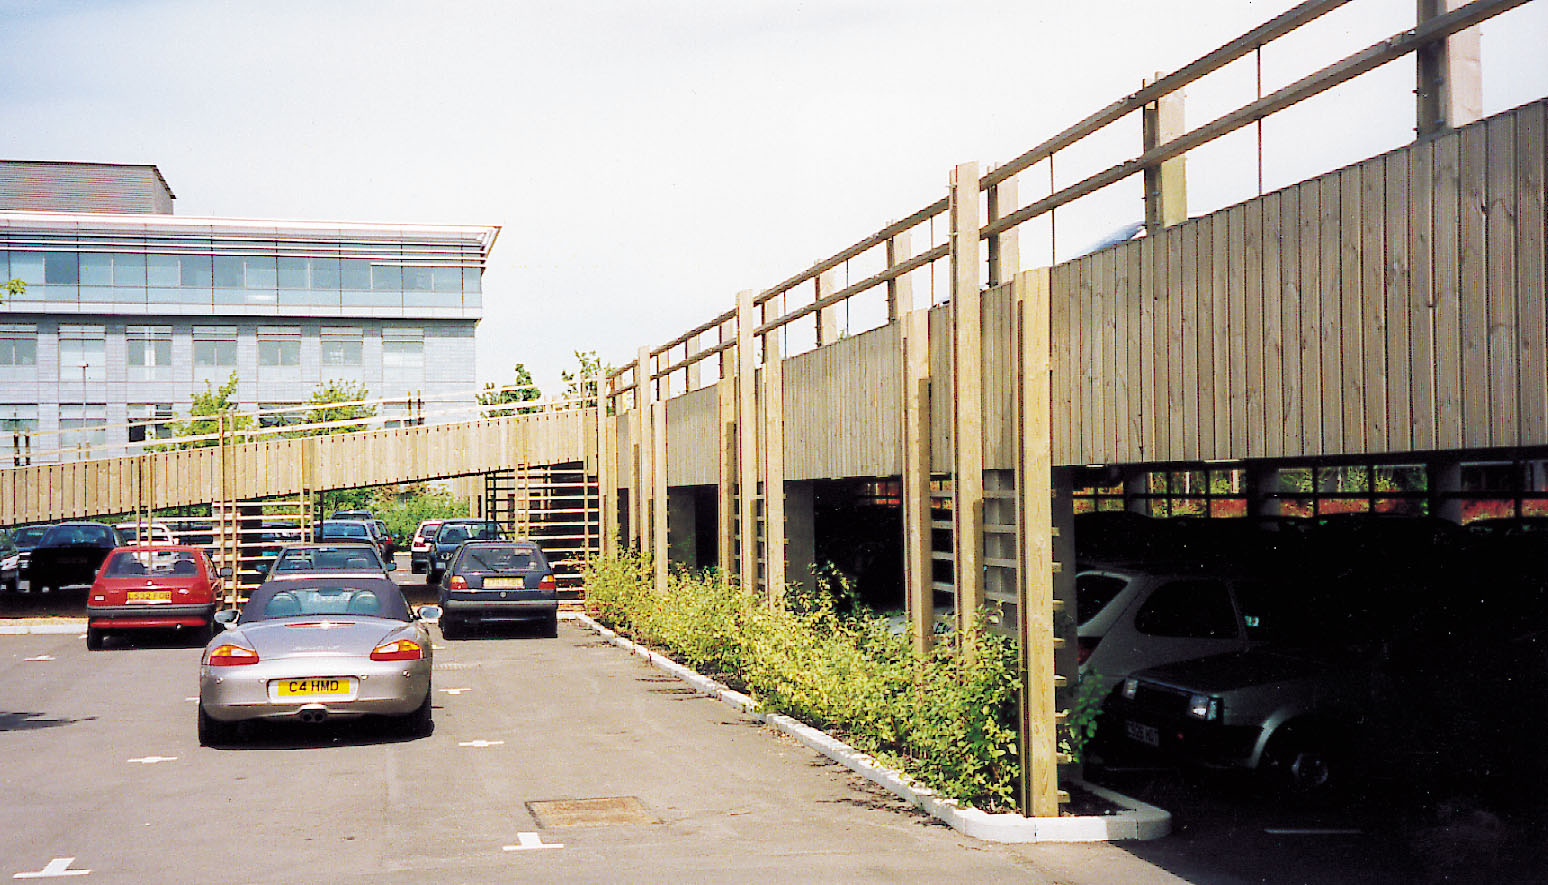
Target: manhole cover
x=589 y=812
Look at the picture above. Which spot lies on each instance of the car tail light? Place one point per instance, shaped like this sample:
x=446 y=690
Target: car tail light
x=398 y=650
x=232 y=656
x=457 y=582
x=548 y=583
x=1087 y=645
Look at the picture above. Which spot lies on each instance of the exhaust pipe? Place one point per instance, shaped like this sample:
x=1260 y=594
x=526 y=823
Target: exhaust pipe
x=312 y=716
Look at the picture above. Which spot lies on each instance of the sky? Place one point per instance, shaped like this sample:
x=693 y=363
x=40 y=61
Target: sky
x=647 y=159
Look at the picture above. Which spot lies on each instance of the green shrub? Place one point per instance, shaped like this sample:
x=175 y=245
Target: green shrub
x=947 y=719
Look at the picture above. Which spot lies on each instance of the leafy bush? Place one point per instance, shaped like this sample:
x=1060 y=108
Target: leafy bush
x=947 y=718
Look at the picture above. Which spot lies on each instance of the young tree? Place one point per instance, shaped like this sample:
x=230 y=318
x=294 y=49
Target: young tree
x=324 y=409
x=12 y=288
x=586 y=381
x=205 y=411
x=526 y=392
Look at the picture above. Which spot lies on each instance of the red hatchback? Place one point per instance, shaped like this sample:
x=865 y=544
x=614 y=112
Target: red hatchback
x=161 y=587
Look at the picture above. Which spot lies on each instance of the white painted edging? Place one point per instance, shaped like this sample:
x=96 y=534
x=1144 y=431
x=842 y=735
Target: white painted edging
x=1139 y=821
x=74 y=625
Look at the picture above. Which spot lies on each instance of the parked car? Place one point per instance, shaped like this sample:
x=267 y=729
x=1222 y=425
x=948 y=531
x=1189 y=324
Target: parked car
x=352 y=530
x=420 y=549
x=360 y=558
x=161 y=587
x=1404 y=682
x=144 y=532
x=13 y=564
x=310 y=651
x=392 y=543
x=69 y=554
x=498 y=582
x=353 y=514
x=452 y=534
x=1132 y=617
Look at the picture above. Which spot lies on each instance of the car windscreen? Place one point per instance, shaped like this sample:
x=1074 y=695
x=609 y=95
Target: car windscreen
x=68 y=535
x=152 y=563
x=28 y=536
x=381 y=599
x=493 y=559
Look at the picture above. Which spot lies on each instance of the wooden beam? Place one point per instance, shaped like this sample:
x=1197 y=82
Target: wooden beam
x=967 y=377
x=725 y=489
x=1004 y=248
x=774 y=460
x=1448 y=90
x=1035 y=602
x=660 y=548
x=827 y=317
x=1166 y=184
x=920 y=594
x=900 y=290
x=747 y=441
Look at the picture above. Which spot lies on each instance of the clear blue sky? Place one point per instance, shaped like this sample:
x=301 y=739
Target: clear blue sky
x=648 y=159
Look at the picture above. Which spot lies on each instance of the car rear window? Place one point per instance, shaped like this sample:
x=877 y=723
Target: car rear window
x=28 y=535
x=128 y=564
x=343 y=530
x=481 y=560
x=1093 y=593
x=384 y=601
x=1192 y=609
x=62 y=535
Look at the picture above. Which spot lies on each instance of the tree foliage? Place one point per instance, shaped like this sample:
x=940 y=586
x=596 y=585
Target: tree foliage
x=526 y=391
x=205 y=412
x=12 y=288
x=585 y=381
x=324 y=410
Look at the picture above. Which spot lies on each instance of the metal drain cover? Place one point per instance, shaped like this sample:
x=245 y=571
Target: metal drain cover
x=589 y=812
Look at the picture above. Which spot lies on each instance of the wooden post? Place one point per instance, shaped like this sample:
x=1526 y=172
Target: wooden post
x=1449 y=90
x=725 y=490
x=1035 y=602
x=774 y=458
x=920 y=592
x=1166 y=185
x=1004 y=249
x=607 y=475
x=693 y=371
x=639 y=507
x=747 y=440
x=967 y=378
x=827 y=318
x=660 y=547
x=900 y=290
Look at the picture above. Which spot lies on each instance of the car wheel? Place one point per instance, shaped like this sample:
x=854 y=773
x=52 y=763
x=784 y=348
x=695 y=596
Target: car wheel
x=213 y=732
x=451 y=628
x=93 y=639
x=422 y=721
x=1306 y=765
x=551 y=626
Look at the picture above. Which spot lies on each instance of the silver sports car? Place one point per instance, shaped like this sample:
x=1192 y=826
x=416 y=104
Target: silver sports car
x=310 y=650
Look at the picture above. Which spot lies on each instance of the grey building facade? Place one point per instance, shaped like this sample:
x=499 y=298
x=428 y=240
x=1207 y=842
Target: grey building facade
x=128 y=313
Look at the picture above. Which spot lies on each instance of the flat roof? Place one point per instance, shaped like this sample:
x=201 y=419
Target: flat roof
x=486 y=234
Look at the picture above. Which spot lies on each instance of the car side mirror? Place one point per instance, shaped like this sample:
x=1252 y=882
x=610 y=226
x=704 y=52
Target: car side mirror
x=227 y=617
x=392 y=566
x=428 y=613
x=226 y=571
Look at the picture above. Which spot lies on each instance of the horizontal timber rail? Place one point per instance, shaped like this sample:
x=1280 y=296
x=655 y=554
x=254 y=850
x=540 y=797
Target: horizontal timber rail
x=1004 y=222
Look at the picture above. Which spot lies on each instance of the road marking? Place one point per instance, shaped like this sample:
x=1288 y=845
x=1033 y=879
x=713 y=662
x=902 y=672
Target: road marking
x=530 y=841
x=82 y=636
x=152 y=760
x=59 y=866
x=454 y=691
x=192 y=700
x=480 y=743
x=42 y=658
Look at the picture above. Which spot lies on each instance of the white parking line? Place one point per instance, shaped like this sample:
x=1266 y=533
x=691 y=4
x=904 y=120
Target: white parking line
x=59 y=866
x=41 y=658
x=152 y=760
x=480 y=743
x=530 y=841
x=192 y=700
x=454 y=691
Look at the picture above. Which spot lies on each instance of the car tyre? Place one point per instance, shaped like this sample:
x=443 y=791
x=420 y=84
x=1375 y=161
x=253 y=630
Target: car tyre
x=551 y=626
x=213 y=732
x=451 y=628
x=1306 y=766
x=421 y=722
x=94 y=637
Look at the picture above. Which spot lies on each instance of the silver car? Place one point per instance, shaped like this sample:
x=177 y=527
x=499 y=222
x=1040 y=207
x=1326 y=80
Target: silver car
x=336 y=646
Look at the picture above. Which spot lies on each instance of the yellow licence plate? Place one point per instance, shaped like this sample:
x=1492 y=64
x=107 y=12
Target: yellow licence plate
x=315 y=686
x=150 y=595
x=505 y=583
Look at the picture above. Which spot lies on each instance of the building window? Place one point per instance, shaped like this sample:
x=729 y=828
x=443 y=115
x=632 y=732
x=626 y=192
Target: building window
x=148 y=346
x=279 y=347
x=17 y=421
x=403 y=349
x=18 y=345
x=195 y=271
x=61 y=268
x=163 y=270
x=149 y=421
x=82 y=425
x=342 y=347
x=82 y=354
x=215 y=347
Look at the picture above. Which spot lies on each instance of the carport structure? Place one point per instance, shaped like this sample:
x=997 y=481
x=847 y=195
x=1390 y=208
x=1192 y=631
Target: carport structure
x=1389 y=315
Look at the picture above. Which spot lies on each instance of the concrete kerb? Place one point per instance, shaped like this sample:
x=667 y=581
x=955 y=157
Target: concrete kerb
x=36 y=626
x=1137 y=821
